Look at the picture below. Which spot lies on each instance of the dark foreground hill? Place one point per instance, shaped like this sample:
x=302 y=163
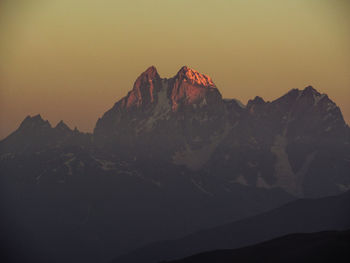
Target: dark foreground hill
x=319 y=247
x=301 y=216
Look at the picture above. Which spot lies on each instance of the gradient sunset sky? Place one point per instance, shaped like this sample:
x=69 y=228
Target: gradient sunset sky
x=73 y=59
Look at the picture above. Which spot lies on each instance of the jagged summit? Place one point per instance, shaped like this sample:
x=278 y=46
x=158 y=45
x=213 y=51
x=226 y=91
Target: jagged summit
x=154 y=99
x=307 y=90
x=151 y=70
x=256 y=101
x=184 y=121
x=310 y=96
x=143 y=90
x=35 y=118
x=310 y=89
x=187 y=87
x=316 y=96
x=34 y=122
x=62 y=126
x=194 y=77
x=150 y=74
x=185 y=73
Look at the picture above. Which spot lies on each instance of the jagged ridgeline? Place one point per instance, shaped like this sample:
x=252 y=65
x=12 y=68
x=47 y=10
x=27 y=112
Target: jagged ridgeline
x=286 y=143
x=175 y=154
x=298 y=142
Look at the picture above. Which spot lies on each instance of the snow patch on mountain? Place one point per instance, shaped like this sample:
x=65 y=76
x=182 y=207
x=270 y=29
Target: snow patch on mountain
x=194 y=159
x=344 y=187
x=241 y=180
x=318 y=98
x=283 y=170
x=200 y=187
x=68 y=164
x=106 y=165
x=300 y=175
x=261 y=183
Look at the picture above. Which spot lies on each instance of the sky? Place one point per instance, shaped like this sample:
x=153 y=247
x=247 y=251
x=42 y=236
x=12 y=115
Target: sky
x=72 y=60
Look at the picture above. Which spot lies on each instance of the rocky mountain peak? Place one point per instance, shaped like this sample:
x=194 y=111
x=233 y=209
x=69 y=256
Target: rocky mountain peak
x=310 y=90
x=150 y=73
x=314 y=95
x=34 y=122
x=142 y=93
x=256 y=101
x=194 y=77
x=305 y=98
x=62 y=127
x=154 y=100
x=189 y=87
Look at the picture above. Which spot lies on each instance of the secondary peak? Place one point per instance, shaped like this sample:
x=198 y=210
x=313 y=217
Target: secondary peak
x=193 y=76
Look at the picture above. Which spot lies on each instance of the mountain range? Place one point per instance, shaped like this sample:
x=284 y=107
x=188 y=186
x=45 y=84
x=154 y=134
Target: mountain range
x=168 y=159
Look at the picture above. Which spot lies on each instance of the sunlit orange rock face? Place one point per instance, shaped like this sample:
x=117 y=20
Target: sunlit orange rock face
x=188 y=106
x=191 y=87
x=187 y=87
x=143 y=90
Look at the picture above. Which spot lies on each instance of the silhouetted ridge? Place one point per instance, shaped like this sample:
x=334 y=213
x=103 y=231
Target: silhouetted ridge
x=62 y=127
x=328 y=246
x=34 y=122
x=35 y=133
x=310 y=90
x=256 y=101
x=300 y=216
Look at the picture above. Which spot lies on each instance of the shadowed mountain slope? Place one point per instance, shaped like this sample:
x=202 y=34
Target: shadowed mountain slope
x=303 y=248
x=301 y=216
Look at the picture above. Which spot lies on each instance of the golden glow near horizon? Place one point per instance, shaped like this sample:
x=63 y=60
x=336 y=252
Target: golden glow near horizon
x=73 y=60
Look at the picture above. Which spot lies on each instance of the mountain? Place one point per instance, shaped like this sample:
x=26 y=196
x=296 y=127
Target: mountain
x=329 y=246
x=287 y=143
x=160 y=115
x=301 y=216
x=35 y=134
x=299 y=142
x=168 y=159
